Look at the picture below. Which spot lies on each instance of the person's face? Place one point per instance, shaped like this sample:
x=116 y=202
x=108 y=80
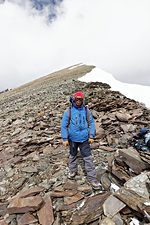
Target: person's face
x=78 y=101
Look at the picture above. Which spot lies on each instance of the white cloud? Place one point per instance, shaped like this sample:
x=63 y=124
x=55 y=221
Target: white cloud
x=114 y=35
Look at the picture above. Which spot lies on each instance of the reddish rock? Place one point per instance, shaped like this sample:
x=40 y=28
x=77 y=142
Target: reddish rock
x=85 y=188
x=31 y=192
x=70 y=185
x=45 y=214
x=75 y=198
x=23 y=205
x=2 y=222
x=27 y=218
x=59 y=194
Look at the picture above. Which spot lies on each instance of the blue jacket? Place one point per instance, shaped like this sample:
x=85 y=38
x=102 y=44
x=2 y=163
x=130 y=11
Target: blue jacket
x=77 y=128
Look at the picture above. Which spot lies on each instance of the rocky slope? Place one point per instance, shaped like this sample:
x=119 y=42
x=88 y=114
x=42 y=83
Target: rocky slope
x=34 y=188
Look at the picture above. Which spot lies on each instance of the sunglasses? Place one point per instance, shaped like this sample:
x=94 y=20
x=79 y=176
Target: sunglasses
x=79 y=99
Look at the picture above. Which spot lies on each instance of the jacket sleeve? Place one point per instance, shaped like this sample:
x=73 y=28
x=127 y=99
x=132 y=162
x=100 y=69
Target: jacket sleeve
x=64 y=125
x=92 y=128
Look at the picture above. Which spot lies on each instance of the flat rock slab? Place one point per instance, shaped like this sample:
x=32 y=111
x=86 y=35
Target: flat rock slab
x=45 y=214
x=133 y=200
x=139 y=184
x=91 y=210
x=105 y=181
x=29 y=169
x=31 y=192
x=112 y=206
x=85 y=188
x=59 y=194
x=70 y=185
x=27 y=218
x=132 y=158
x=23 y=205
x=75 y=198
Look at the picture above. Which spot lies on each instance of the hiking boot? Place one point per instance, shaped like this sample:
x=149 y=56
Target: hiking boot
x=71 y=175
x=96 y=185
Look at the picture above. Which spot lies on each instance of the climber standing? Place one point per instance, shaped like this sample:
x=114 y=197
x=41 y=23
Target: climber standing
x=78 y=131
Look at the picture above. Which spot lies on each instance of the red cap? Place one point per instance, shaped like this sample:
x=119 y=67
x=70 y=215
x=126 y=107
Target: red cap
x=79 y=94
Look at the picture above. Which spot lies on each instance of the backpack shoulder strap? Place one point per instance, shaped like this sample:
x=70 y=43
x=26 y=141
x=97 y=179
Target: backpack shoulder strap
x=69 y=115
x=87 y=112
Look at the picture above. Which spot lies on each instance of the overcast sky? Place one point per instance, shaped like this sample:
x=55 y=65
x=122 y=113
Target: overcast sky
x=112 y=35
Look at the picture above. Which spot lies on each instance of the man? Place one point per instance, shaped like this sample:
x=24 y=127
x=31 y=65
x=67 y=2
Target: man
x=77 y=131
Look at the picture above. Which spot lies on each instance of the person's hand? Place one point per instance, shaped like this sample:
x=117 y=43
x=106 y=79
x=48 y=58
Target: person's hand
x=66 y=143
x=91 y=140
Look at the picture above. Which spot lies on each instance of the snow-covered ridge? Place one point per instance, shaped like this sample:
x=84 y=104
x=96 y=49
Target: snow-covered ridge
x=137 y=92
x=73 y=67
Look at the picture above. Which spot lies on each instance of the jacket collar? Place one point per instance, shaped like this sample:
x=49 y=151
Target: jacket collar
x=74 y=105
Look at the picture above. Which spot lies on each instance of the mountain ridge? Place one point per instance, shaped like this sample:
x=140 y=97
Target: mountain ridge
x=66 y=73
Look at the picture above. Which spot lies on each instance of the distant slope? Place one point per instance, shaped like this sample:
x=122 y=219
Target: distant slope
x=72 y=72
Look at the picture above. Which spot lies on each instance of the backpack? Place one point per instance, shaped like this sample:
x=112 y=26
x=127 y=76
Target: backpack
x=143 y=142
x=147 y=139
x=86 y=112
